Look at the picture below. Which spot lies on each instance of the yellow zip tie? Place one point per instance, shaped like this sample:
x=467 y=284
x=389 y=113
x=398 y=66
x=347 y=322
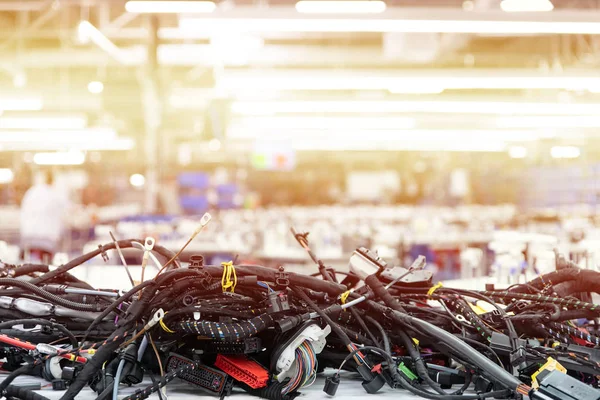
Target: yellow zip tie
x=164 y=326
x=91 y=352
x=434 y=288
x=228 y=272
x=344 y=296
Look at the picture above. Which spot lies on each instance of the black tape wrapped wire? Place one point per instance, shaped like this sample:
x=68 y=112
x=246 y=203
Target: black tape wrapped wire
x=46 y=295
x=229 y=331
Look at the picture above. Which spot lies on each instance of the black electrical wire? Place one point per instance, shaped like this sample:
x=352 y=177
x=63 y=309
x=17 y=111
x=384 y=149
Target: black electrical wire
x=334 y=327
x=419 y=363
x=456 y=345
x=25 y=369
x=51 y=324
x=408 y=386
x=384 y=336
x=364 y=327
x=46 y=295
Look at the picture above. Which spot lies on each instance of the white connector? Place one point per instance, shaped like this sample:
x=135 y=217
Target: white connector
x=362 y=266
x=158 y=315
x=314 y=334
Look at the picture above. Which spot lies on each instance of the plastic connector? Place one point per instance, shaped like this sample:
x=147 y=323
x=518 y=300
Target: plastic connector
x=559 y=386
x=372 y=382
x=549 y=366
x=331 y=384
x=279 y=302
x=59 y=384
x=243 y=370
x=282 y=278
x=482 y=384
x=374 y=385
x=404 y=370
x=130 y=353
x=135 y=375
x=210 y=379
x=446 y=377
x=312 y=332
x=69 y=373
x=247 y=346
x=500 y=343
x=365 y=262
x=285 y=324
x=518 y=356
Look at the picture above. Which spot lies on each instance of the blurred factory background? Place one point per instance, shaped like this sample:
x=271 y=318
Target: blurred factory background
x=401 y=122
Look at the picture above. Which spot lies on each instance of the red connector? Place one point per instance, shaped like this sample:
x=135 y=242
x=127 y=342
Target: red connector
x=244 y=370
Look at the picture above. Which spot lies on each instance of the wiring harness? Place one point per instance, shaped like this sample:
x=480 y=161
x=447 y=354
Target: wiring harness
x=272 y=332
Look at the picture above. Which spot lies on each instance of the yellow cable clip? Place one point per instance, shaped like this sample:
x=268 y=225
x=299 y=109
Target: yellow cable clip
x=164 y=326
x=344 y=296
x=434 y=288
x=226 y=280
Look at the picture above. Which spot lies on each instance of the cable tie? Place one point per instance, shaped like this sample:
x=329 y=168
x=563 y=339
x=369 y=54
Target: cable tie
x=164 y=326
x=226 y=280
x=434 y=288
x=344 y=296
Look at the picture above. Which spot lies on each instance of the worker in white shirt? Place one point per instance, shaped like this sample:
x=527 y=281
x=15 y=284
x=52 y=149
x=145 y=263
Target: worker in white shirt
x=43 y=217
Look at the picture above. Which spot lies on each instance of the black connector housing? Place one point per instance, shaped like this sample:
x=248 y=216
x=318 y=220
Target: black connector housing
x=210 y=379
x=482 y=384
x=288 y=323
x=130 y=353
x=279 y=302
x=371 y=382
x=331 y=384
x=135 y=375
x=374 y=385
x=518 y=356
x=500 y=343
x=69 y=373
x=59 y=384
x=247 y=346
x=559 y=386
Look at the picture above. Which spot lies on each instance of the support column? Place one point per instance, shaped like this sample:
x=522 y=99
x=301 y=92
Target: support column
x=152 y=116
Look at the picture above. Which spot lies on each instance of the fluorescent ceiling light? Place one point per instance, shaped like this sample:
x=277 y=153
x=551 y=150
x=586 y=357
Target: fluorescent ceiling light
x=95 y=87
x=391 y=145
x=517 y=152
x=317 y=123
x=565 y=152
x=60 y=158
x=269 y=25
x=137 y=180
x=348 y=80
x=6 y=175
x=60 y=136
x=414 y=89
x=21 y=104
x=257 y=132
x=340 y=7
x=33 y=122
x=446 y=107
x=87 y=32
x=170 y=7
x=579 y=121
x=526 y=5
x=88 y=145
